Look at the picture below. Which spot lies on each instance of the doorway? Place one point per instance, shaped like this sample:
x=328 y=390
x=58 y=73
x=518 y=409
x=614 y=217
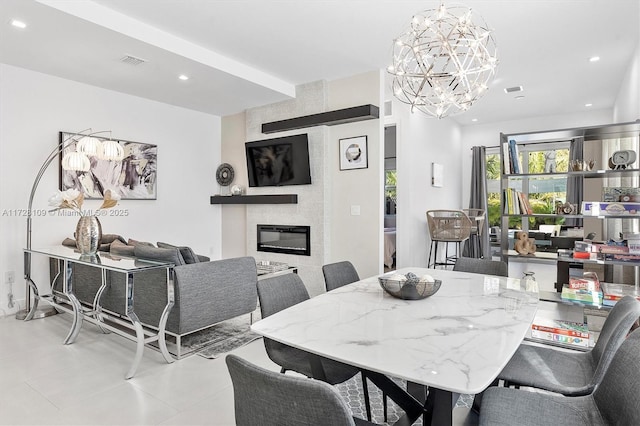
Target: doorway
x=390 y=197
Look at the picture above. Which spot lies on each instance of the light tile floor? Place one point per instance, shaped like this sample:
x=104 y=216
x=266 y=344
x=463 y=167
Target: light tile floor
x=43 y=381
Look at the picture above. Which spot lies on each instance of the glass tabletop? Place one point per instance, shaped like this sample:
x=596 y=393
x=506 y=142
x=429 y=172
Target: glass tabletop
x=101 y=259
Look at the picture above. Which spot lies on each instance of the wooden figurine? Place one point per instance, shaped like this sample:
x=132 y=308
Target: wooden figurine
x=524 y=244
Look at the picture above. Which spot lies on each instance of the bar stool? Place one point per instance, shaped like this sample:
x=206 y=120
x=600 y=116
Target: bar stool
x=447 y=226
x=475 y=238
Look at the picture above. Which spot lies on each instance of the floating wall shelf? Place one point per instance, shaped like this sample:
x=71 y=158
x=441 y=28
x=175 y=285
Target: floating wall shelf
x=329 y=118
x=255 y=199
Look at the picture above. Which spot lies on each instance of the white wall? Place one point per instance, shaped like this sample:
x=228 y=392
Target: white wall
x=356 y=238
x=627 y=106
x=34 y=107
x=421 y=141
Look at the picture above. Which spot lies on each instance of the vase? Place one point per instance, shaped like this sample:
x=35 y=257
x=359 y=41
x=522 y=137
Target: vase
x=88 y=234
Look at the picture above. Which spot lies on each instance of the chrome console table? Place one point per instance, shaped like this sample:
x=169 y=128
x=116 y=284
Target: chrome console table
x=105 y=262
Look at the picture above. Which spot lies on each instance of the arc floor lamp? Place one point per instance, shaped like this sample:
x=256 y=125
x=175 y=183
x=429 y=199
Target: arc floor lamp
x=86 y=145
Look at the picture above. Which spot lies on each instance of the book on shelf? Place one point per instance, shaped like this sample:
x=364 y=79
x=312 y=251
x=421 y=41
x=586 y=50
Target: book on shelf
x=515 y=164
x=581 y=295
x=559 y=331
x=516 y=202
x=506 y=159
x=612 y=292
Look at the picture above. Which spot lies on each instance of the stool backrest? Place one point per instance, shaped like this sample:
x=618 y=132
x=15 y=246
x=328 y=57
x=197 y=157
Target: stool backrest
x=448 y=225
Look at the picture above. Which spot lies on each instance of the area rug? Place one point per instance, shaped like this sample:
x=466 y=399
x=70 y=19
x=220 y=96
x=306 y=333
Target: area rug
x=220 y=338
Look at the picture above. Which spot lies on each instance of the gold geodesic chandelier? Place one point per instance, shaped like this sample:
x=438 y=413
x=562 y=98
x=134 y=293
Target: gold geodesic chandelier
x=444 y=62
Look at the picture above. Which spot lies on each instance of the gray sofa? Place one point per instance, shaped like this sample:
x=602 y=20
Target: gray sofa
x=206 y=292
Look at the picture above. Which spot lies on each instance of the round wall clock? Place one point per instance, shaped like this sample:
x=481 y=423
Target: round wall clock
x=224 y=174
x=620 y=160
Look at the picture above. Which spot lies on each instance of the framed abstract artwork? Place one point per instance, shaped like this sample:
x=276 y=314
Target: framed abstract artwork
x=353 y=153
x=133 y=178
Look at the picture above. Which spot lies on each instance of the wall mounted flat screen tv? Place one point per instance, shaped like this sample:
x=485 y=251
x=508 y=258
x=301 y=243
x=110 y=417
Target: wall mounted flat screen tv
x=279 y=161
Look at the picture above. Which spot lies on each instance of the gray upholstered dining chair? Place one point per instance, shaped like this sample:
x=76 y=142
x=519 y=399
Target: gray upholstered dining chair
x=614 y=400
x=481 y=266
x=278 y=293
x=263 y=397
x=572 y=373
x=339 y=274
x=336 y=275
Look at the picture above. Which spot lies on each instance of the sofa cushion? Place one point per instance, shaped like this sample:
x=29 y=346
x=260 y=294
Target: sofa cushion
x=172 y=255
x=119 y=248
x=187 y=254
x=109 y=238
x=132 y=242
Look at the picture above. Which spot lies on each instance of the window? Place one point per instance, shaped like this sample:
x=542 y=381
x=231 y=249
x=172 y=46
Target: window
x=493 y=186
x=542 y=191
x=390 y=194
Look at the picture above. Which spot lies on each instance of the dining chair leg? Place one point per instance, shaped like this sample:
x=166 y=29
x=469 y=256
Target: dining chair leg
x=365 y=391
x=384 y=406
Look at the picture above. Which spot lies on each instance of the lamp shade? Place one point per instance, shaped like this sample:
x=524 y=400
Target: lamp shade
x=77 y=161
x=90 y=146
x=112 y=150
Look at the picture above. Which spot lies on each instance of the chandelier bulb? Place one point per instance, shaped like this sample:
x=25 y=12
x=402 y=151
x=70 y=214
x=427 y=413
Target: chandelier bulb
x=441 y=11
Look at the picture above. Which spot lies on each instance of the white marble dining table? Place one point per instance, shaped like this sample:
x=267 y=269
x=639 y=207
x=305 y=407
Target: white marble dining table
x=456 y=341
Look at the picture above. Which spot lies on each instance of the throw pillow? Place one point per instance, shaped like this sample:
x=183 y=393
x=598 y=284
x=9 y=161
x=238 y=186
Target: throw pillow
x=69 y=242
x=187 y=254
x=109 y=238
x=119 y=248
x=136 y=242
x=172 y=255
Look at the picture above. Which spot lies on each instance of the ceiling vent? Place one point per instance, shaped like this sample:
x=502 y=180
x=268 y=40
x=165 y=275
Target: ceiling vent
x=132 y=60
x=513 y=89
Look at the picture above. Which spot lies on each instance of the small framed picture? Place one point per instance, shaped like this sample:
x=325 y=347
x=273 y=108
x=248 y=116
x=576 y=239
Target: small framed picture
x=353 y=153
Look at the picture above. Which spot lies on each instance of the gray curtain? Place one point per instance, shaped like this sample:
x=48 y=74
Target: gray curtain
x=575 y=184
x=478 y=200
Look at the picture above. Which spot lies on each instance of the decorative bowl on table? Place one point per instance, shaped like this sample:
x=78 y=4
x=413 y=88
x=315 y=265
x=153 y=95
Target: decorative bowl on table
x=409 y=286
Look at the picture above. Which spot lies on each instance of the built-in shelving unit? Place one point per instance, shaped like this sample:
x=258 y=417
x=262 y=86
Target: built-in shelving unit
x=255 y=199
x=521 y=182
x=329 y=118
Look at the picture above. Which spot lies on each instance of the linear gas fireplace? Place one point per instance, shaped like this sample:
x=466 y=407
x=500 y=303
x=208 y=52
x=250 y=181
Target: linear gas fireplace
x=285 y=239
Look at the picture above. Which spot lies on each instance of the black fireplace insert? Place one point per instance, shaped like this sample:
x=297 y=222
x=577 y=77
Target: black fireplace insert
x=285 y=239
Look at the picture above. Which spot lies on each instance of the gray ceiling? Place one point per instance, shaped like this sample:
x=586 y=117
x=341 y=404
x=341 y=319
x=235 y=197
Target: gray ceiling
x=245 y=53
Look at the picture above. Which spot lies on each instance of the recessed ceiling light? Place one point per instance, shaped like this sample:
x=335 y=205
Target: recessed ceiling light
x=474 y=119
x=519 y=97
x=594 y=59
x=183 y=77
x=588 y=105
x=18 y=24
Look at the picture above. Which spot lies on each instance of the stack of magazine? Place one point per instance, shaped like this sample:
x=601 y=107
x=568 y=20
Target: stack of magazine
x=269 y=267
